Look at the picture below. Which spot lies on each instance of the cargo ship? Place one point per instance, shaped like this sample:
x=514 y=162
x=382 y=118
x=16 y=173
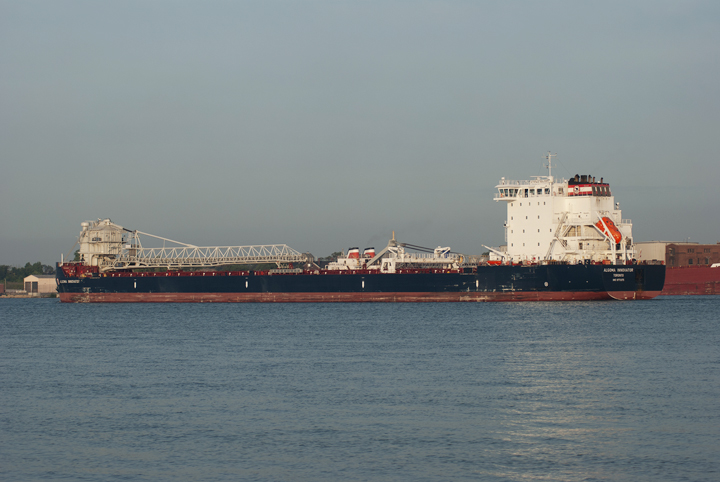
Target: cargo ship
x=692 y=268
x=692 y=280
x=566 y=241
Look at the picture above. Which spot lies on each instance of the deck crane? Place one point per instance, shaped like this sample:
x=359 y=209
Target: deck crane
x=109 y=246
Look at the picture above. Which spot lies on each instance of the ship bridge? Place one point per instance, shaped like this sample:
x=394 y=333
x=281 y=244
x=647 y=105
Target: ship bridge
x=111 y=247
x=567 y=220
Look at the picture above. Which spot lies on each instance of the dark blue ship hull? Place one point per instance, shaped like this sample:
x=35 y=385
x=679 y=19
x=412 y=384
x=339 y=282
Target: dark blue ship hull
x=485 y=283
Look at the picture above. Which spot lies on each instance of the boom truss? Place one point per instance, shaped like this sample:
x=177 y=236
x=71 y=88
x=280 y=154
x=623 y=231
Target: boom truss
x=196 y=257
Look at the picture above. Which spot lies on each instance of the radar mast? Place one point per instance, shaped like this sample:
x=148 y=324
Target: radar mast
x=549 y=164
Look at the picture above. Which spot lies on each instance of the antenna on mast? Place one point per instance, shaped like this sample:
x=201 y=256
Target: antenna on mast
x=549 y=164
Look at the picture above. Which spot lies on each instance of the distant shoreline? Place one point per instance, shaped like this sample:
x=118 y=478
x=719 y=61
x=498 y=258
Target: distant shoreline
x=16 y=295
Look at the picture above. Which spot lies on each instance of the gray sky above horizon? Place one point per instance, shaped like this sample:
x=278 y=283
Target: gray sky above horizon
x=327 y=124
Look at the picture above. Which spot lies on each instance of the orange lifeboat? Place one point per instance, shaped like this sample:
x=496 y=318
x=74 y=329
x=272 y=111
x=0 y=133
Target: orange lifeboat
x=614 y=232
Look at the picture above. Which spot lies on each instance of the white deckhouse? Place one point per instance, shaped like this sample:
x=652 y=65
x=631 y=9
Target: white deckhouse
x=572 y=221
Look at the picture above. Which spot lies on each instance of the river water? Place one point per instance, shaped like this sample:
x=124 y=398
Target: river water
x=625 y=391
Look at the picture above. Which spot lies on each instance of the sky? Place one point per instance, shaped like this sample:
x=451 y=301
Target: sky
x=330 y=124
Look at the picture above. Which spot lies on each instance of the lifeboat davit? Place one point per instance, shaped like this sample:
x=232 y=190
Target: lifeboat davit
x=613 y=230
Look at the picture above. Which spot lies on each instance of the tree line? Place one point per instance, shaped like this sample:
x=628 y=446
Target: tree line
x=14 y=274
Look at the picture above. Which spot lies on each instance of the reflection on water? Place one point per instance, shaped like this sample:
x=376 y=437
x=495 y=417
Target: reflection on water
x=523 y=391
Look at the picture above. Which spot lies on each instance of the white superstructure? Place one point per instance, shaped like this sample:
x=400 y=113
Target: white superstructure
x=568 y=220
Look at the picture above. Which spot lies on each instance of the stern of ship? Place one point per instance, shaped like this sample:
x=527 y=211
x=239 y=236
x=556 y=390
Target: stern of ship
x=634 y=282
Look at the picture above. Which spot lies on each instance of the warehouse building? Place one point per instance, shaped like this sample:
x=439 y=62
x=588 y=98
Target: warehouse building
x=40 y=284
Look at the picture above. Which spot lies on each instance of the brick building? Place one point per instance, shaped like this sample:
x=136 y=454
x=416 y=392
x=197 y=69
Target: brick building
x=678 y=254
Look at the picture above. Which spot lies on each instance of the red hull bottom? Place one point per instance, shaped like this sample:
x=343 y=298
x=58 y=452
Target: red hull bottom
x=351 y=297
x=633 y=295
